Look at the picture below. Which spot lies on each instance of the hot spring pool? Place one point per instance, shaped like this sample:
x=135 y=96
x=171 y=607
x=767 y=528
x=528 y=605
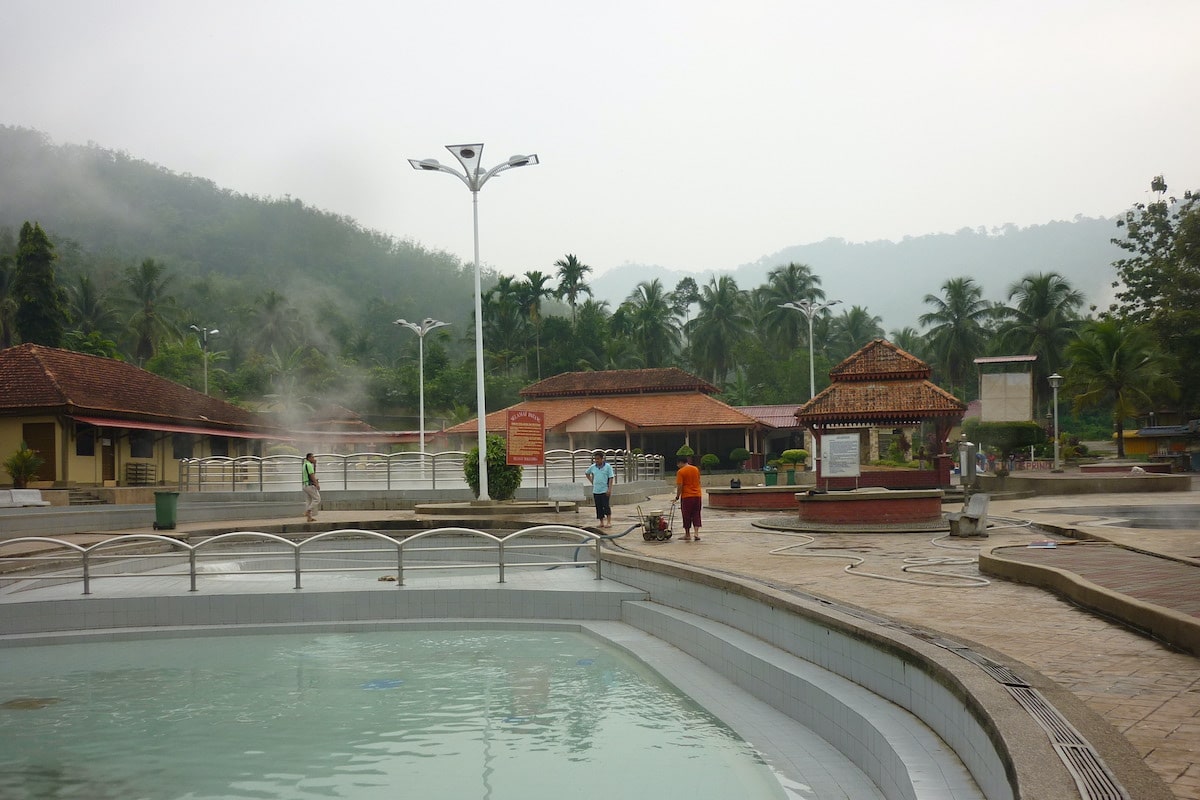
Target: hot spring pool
x=422 y=714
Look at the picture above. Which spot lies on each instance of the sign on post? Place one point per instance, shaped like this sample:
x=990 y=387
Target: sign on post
x=527 y=438
x=839 y=455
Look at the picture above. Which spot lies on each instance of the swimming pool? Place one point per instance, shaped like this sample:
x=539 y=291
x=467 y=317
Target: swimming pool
x=463 y=713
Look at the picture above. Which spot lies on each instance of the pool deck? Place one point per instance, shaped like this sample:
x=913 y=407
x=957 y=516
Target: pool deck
x=1130 y=694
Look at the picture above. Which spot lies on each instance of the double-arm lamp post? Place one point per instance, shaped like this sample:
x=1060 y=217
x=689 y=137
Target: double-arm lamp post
x=420 y=329
x=810 y=309
x=475 y=176
x=204 y=334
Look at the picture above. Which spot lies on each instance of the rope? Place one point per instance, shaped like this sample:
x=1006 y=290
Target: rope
x=914 y=565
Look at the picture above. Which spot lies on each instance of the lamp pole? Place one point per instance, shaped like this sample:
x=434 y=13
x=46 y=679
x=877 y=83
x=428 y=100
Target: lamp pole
x=204 y=334
x=1056 y=381
x=474 y=176
x=810 y=309
x=420 y=329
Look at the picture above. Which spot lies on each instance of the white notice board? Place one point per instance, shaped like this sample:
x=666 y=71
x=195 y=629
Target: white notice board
x=839 y=456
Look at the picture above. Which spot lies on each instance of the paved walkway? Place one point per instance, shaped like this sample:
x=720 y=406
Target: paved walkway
x=1132 y=686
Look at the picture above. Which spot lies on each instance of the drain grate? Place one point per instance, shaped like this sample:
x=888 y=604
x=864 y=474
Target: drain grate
x=1061 y=732
x=1094 y=780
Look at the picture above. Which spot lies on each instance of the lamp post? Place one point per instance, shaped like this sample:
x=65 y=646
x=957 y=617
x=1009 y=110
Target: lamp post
x=420 y=329
x=474 y=176
x=204 y=334
x=810 y=309
x=1056 y=381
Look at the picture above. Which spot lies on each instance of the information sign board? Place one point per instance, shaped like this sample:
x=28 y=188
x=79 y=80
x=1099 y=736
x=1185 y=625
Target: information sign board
x=839 y=456
x=526 y=438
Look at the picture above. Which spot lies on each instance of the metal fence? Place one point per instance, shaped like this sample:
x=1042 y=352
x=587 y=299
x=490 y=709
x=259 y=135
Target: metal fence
x=393 y=471
x=340 y=551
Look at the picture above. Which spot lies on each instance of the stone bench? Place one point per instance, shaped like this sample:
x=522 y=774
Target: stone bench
x=565 y=492
x=972 y=520
x=18 y=498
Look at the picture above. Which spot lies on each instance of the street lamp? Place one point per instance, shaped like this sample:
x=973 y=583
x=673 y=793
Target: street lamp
x=420 y=329
x=474 y=176
x=204 y=334
x=810 y=309
x=1056 y=381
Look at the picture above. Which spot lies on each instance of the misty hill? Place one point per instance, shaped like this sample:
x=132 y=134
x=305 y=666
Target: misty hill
x=107 y=210
x=891 y=279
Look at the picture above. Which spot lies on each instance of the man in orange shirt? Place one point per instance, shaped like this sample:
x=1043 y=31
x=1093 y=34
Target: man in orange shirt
x=689 y=496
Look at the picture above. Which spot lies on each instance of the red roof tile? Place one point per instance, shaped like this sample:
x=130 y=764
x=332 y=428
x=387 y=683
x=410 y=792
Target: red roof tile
x=645 y=411
x=619 y=381
x=877 y=360
x=34 y=377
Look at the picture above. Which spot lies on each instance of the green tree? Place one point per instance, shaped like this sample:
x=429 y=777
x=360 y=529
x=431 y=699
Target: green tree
x=720 y=326
x=504 y=322
x=41 y=315
x=503 y=478
x=852 y=329
x=535 y=288
x=90 y=310
x=648 y=319
x=153 y=308
x=1116 y=363
x=1042 y=322
x=8 y=300
x=956 y=332
x=572 y=281
x=787 y=284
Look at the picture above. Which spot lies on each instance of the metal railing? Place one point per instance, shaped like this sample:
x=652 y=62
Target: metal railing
x=511 y=550
x=393 y=471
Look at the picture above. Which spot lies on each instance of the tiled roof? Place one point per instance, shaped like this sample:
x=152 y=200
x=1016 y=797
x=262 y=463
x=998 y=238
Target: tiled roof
x=47 y=379
x=776 y=416
x=619 y=381
x=877 y=360
x=644 y=411
x=886 y=402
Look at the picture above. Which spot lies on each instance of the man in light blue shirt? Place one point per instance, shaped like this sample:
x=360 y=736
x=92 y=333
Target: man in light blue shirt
x=603 y=477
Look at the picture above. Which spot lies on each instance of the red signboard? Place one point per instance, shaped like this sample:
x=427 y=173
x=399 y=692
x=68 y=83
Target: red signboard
x=527 y=438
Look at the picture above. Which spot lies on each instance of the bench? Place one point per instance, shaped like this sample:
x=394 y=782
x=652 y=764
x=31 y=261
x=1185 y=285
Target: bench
x=972 y=520
x=565 y=492
x=17 y=498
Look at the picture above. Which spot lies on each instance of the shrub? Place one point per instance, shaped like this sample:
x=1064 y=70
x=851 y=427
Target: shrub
x=739 y=456
x=795 y=456
x=503 y=478
x=23 y=465
x=1007 y=437
x=709 y=461
x=685 y=451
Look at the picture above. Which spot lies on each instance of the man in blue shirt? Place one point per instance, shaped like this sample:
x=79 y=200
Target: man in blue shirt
x=602 y=476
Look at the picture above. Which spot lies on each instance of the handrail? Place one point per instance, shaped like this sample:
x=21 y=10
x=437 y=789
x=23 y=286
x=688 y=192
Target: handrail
x=88 y=554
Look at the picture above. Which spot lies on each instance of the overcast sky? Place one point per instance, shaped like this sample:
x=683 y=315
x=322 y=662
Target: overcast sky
x=691 y=134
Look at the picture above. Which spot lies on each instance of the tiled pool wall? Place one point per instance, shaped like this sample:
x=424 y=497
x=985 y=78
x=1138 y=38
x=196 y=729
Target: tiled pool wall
x=865 y=732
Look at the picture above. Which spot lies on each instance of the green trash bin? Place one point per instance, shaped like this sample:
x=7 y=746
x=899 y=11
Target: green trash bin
x=770 y=478
x=166 y=505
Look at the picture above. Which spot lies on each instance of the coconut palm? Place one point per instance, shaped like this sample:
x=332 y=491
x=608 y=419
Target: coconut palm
x=153 y=310
x=787 y=284
x=648 y=319
x=572 y=281
x=957 y=335
x=531 y=292
x=854 y=328
x=504 y=322
x=1117 y=363
x=720 y=326
x=1041 y=323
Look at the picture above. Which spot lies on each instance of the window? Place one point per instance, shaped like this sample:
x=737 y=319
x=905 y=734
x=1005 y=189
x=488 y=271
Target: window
x=181 y=445
x=218 y=446
x=141 y=444
x=85 y=439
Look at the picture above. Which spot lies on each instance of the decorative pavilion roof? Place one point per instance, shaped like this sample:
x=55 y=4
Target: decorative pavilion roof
x=618 y=382
x=880 y=384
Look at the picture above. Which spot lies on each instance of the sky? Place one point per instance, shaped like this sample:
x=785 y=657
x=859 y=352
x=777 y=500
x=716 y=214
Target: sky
x=690 y=134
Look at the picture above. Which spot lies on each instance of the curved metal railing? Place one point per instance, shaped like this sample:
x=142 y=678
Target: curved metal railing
x=510 y=550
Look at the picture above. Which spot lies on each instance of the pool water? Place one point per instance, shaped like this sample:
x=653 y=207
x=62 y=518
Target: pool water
x=421 y=714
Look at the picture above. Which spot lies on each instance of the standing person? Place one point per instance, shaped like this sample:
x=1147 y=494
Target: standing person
x=312 y=487
x=603 y=477
x=689 y=496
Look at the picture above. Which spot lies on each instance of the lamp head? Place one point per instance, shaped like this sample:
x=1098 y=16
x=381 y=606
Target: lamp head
x=522 y=161
x=214 y=332
x=426 y=163
x=1056 y=380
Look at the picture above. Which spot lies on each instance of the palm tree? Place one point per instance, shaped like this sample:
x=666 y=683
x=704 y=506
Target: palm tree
x=957 y=336
x=648 y=318
x=277 y=323
x=8 y=302
x=572 y=281
x=152 y=307
x=909 y=340
x=787 y=284
x=504 y=321
x=90 y=310
x=720 y=326
x=535 y=287
x=854 y=328
x=1117 y=363
x=1042 y=321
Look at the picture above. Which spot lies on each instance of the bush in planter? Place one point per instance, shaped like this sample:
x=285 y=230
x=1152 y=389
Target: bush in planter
x=23 y=465
x=709 y=462
x=503 y=478
x=739 y=456
x=793 y=457
x=685 y=451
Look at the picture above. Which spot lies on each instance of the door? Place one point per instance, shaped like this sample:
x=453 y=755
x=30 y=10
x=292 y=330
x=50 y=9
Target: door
x=39 y=437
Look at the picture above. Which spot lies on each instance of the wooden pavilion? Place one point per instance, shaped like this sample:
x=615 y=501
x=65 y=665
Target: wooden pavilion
x=882 y=385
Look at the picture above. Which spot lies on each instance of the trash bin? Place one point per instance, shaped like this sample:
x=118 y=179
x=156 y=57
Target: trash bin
x=166 y=505
x=770 y=478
